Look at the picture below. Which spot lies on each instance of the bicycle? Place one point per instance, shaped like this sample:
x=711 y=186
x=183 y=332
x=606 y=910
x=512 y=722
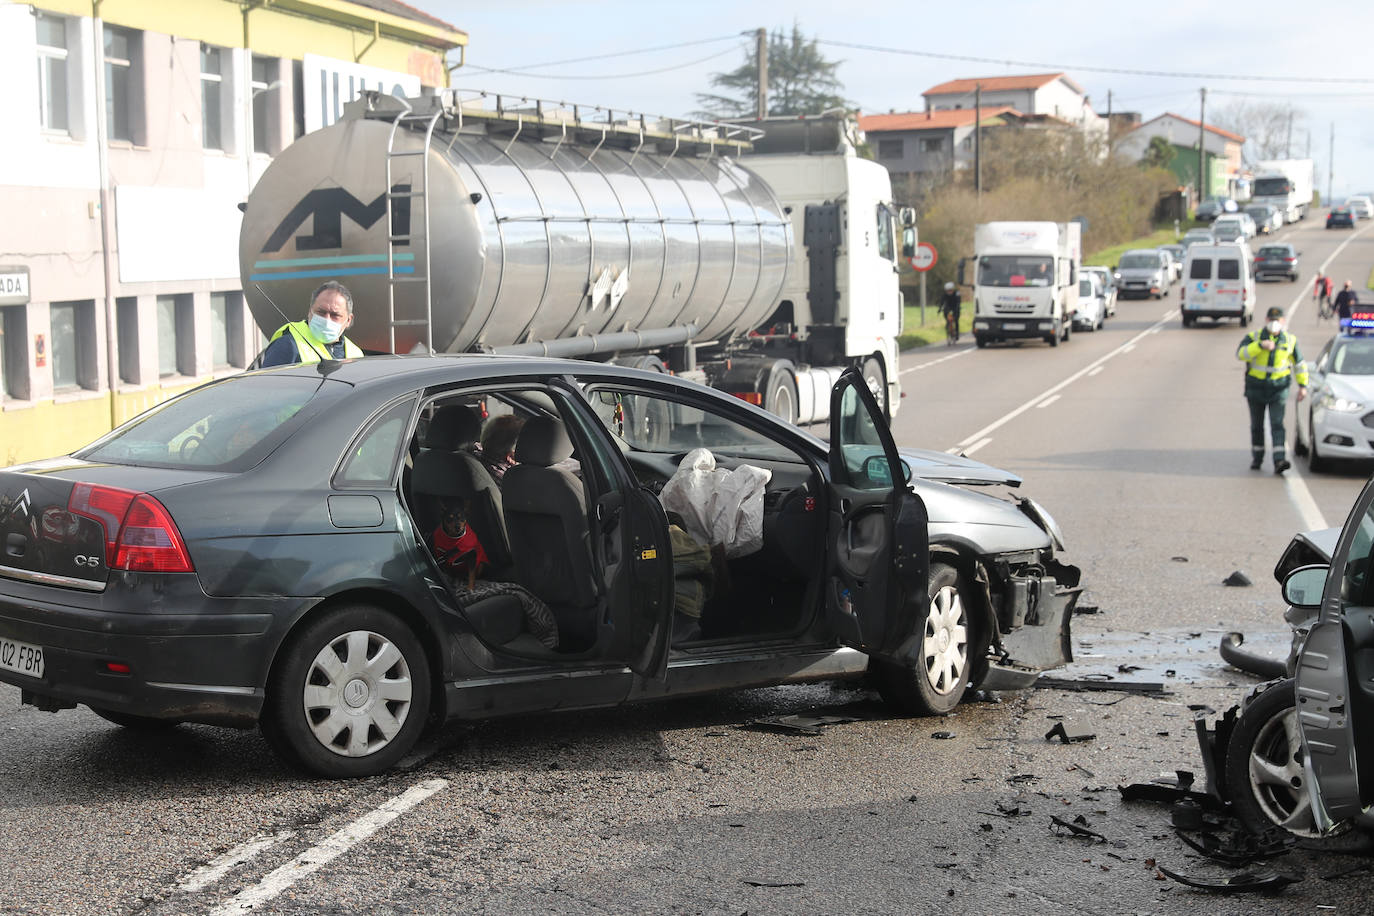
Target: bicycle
x=1324 y=307
x=951 y=328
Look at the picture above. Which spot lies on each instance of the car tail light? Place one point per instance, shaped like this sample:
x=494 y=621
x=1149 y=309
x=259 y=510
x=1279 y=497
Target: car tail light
x=139 y=532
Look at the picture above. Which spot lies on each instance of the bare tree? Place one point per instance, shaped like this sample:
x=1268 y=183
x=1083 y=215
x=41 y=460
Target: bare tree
x=1268 y=127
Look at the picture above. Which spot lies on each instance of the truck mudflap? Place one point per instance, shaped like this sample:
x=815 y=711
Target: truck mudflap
x=1042 y=641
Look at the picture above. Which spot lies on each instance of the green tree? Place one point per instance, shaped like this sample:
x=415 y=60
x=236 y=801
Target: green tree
x=1159 y=154
x=800 y=81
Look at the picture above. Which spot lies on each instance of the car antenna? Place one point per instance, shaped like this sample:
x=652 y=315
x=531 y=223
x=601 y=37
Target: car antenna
x=258 y=287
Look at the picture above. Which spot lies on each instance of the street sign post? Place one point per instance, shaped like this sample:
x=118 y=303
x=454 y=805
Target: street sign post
x=925 y=257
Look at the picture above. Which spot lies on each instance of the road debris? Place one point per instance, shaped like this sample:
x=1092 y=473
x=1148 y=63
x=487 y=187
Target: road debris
x=1064 y=737
x=799 y=724
x=1249 y=662
x=1103 y=683
x=1237 y=579
x=1263 y=882
x=773 y=883
x=1079 y=826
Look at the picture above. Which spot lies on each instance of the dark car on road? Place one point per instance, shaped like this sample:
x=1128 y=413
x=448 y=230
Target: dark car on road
x=1277 y=260
x=1213 y=207
x=266 y=549
x=1340 y=217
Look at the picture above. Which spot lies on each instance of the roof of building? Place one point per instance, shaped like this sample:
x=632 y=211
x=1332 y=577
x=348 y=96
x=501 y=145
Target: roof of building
x=405 y=11
x=996 y=83
x=930 y=120
x=1211 y=127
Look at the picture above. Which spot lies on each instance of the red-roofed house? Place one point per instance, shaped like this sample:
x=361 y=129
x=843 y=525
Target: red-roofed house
x=1052 y=94
x=1222 y=147
x=929 y=143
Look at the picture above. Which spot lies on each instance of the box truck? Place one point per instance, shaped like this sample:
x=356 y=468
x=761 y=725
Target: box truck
x=1025 y=280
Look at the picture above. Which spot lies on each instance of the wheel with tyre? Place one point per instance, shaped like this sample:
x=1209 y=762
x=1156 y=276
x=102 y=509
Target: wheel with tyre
x=781 y=396
x=136 y=723
x=1264 y=773
x=1315 y=462
x=350 y=693
x=1068 y=330
x=1244 y=319
x=1187 y=321
x=876 y=380
x=937 y=683
x=980 y=341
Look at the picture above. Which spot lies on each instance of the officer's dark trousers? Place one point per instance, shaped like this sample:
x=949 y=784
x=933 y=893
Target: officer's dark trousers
x=1274 y=403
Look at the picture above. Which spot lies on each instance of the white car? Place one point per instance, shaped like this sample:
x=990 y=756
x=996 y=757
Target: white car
x=1361 y=206
x=1331 y=422
x=1231 y=228
x=1108 y=281
x=1092 y=310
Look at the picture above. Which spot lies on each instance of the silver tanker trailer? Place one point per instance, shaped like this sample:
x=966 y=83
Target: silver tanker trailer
x=759 y=258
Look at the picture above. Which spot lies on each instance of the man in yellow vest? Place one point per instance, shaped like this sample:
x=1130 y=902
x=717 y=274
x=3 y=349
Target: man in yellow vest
x=1271 y=360
x=320 y=336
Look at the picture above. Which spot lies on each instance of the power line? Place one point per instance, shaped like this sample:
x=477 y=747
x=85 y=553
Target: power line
x=1120 y=70
x=580 y=60
x=607 y=76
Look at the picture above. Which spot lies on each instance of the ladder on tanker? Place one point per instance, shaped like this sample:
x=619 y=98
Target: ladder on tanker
x=413 y=265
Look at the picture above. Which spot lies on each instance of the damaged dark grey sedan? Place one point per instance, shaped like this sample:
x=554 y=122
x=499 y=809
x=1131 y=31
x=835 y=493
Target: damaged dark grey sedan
x=266 y=549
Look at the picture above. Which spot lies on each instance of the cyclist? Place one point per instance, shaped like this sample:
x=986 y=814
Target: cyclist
x=1321 y=293
x=950 y=305
x=1346 y=300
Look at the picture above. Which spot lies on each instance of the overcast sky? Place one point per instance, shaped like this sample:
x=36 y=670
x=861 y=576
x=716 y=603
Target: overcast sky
x=1205 y=40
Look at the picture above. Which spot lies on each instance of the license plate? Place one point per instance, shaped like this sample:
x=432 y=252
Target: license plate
x=21 y=657
x=1013 y=326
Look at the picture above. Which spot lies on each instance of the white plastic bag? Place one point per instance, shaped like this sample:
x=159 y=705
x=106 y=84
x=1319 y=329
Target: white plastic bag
x=718 y=506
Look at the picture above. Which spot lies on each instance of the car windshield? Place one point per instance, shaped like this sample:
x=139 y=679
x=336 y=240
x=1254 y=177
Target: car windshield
x=228 y=425
x=1015 y=270
x=1353 y=356
x=1139 y=261
x=1265 y=187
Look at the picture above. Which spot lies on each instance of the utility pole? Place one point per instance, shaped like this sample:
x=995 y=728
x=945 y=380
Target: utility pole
x=1109 y=119
x=1288 y=147
x=761 y=40
x=1202 y=150
x=1330 y=162
x=978 y=140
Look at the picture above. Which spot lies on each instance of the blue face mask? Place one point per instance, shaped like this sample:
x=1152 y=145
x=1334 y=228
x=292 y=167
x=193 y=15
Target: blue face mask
x=325 y=329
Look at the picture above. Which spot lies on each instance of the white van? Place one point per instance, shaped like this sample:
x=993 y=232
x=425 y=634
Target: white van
x=1218 y=282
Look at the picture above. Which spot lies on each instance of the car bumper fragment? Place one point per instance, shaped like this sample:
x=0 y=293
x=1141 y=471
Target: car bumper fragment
x=1041 y=611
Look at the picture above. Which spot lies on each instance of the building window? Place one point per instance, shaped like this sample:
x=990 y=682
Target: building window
x=121 y=72
x=52 y=72
x=14 y=352
x=932 y=145
x=176 y=339
x=266 y=87
x=890 y=149
x=226 y=330
x=211 y=103
x=73 y=344
x=126 y=317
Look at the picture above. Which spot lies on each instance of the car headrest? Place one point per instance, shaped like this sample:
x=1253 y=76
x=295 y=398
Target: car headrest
x=543 y=442
x=452 y=428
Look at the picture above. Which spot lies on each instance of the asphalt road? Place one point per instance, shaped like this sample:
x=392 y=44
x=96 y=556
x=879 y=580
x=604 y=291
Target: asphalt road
x=1135 y=437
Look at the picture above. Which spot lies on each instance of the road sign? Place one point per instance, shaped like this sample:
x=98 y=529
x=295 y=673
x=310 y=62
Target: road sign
x=925 y=257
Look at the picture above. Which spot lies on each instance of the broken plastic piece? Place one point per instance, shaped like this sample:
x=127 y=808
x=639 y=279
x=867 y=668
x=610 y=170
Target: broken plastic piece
x=1064 y=737
x=801 y=725
x=942 y=734
x=1078 y=827
x=1233 y=655
x=1237 y=578
x=1145 y=688
x=1264 y=882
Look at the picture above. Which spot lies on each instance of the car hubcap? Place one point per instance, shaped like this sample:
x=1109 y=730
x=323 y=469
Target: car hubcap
x=357 y=693
x=945 y=647
x=1276 y=775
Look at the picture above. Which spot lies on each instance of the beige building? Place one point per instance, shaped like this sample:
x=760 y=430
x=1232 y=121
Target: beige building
x=139 y=127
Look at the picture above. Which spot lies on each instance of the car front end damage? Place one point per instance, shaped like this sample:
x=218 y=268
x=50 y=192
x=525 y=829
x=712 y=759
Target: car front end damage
x=1007 y=547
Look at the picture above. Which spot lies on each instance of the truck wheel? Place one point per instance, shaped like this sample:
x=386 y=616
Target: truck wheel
x=1068 y=330
x=1264 y=773
x=1053 y=339
x=350 y=694
x=781 y=396
x=980 y=341
x=876 y=379
x=937 y=683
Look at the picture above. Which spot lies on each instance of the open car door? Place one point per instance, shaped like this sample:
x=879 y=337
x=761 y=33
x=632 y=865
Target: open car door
x=1335 y=678
x=878 y=549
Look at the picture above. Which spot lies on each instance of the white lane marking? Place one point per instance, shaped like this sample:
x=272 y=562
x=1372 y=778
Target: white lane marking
x=934 y=362
x=1047 y=402
x=1301 y=497
x=1007 y=418
x=1129 y=347
x=977 y=445
x=1096 y=369
x=327 y=851
x=218 y=867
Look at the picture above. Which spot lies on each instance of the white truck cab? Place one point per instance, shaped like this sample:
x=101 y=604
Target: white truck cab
x=1025 y=283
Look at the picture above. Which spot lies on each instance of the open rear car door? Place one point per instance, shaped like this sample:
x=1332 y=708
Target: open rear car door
x=1335 y=678
x=878 y=550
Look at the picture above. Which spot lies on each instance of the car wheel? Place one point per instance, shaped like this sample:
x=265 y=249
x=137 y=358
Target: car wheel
x=1244 y=319
x=876 y=380
x=137 y=723
x=781 y=397
x=1264 y=773
x=350 y=694
x=1315 y=462
x=937 y=683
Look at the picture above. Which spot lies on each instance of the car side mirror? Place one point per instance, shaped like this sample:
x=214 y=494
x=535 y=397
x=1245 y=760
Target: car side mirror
x=1303 y=586
x=875 y=468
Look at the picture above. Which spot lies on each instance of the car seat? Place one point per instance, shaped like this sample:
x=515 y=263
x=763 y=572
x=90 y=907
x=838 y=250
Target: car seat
x=446 y=469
